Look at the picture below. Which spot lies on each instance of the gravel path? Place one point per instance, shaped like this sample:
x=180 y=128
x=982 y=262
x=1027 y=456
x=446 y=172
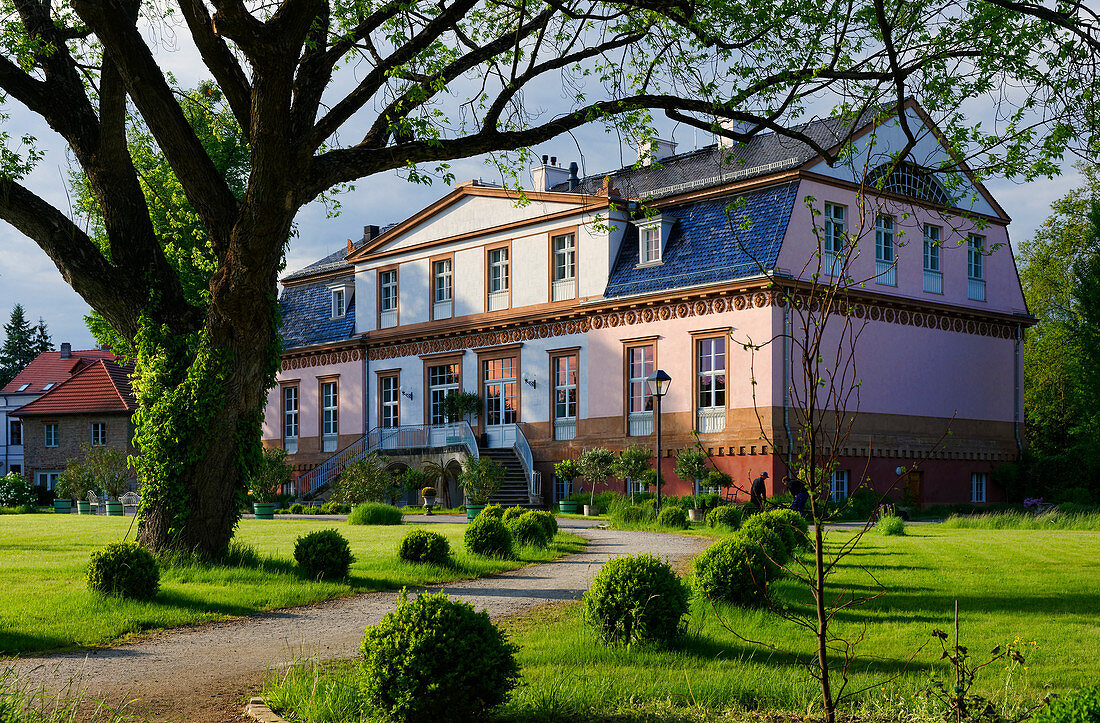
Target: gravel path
x=204 y=674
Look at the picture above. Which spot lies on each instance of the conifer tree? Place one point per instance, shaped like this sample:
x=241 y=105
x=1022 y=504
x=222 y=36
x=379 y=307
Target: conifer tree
x=18 y=350
x=42 y=340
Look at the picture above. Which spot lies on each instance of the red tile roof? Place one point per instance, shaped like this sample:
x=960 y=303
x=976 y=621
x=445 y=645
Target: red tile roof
x=49 y=368
x=102 y=386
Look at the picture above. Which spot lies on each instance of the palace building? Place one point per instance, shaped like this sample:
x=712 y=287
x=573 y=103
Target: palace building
x=556 y=309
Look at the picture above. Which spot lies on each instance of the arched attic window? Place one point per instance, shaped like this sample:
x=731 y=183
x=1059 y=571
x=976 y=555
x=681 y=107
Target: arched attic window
x=908 y=179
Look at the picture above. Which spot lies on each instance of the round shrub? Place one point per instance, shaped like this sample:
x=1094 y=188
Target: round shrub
x=791 y=526
x=673 y=517
x=374 y=513
x=636 y=600
x=734 y=570
x=125 y=569
x=330 y=508
x=890 y=526
x=494 y=511
x=1082 y=706
x=422 y=545
x=296 y=508
x=512 y=513
x=724 y=516
x=489 y=537
x=527 y=530
x=323 y=555
x=436 y=659
x=547 y=520
x=774 y=546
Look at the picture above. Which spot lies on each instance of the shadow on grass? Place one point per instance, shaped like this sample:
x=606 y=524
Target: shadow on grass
x=13 y=642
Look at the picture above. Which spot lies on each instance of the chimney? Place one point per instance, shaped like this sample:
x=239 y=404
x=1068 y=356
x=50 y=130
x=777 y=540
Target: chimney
x=370 y=232
x=574 y=181
x=735 y=126
x=66 y=350
x=654 y=149
x=548 y=175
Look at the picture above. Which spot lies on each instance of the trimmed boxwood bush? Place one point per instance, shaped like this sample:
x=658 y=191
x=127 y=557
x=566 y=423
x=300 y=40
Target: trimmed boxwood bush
x=489 y=537
x=724 y=516
x=513 y=512
x=374 y=513
x=774 y=546
x=734 y=570
x=422 y=545
x=296 y=508
x=1080 y=707
x=789 y=525
x=323 y=555
x=125 y=569
x=527 y=530
x=636 y=599
x=673 y=517
x=547 y=520
x=434 y=658
x=494 y=511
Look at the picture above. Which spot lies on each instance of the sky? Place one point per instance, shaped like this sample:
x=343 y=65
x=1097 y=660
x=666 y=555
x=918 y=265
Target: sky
x=29 y=277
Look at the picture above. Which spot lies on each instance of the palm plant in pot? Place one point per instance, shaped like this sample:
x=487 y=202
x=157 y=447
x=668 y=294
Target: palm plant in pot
x=271 y=474
x=596 y=465
x=692 y=464
x=457 y=406
x=480 y=479
x=567 y=470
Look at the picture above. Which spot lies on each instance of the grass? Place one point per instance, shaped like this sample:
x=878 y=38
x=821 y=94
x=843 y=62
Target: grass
x=22 y=703
x=45 y=603
x=1037 y=589
x=1081 y=521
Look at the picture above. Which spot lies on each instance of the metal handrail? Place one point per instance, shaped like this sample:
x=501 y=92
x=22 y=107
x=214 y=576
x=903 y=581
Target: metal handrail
x=526 y=458
x=403 y=437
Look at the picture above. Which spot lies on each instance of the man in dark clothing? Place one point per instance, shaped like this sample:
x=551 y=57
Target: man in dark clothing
x=758 y=492
x=798 y=491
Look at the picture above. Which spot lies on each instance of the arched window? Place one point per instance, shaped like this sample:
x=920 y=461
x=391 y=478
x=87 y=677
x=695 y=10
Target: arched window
x=908 y=179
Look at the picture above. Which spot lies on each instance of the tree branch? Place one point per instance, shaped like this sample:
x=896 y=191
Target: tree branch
x=220 y=60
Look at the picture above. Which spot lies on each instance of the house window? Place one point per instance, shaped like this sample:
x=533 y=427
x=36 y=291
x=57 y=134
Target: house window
x=290 y=419
x=330 y=416
x=884 y=250
x=975 y=273
x=649 y=245
x=389 y=395
x=710 y=383
x=387 y=298
x=498 y=279
x=441 y=273
x=501 y=396
x=564 y=266
x=15 y=432
x=978 y=482
x=50 y=429
x=908 y=179
x=22 y=388
x=641 y=362
x=933 y=275
x=442 y=380
x=838 y=489
x=47 y=479
x=339 y=303
x=48 y=387
x=99 y=434
x=832 y=249
x=565 y=396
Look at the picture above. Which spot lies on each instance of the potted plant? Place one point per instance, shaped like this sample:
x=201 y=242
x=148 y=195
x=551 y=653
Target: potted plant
x=480 y=479
x=692 y=464
x=74 y=483
x=428 y=495
x=270 y=475
x=596 y=465
x=632 y=464
x=567 y=470
x=109 y=468
x=717 y=481
x=456 y=407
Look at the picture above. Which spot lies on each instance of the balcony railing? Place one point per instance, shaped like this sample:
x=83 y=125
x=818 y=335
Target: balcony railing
x=566 y=289
x=933 y=281
x=640 y=424
x=885 y=273
x=498 y=300
x=441 y=310
x=975 y=289
x=523 y=451
x=565 y=429
x=387 y=319
x=711 y=419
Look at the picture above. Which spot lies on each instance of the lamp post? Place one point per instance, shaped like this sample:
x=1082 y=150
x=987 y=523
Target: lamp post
x=658 y=383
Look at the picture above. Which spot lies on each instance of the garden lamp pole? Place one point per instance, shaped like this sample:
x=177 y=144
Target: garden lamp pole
x=658 y=383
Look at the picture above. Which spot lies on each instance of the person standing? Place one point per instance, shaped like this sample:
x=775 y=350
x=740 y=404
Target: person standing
x=758 y=492
x=798 y=492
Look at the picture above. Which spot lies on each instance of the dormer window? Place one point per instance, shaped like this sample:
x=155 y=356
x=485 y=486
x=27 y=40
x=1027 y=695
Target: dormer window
x=22 y=388
x=653 y=234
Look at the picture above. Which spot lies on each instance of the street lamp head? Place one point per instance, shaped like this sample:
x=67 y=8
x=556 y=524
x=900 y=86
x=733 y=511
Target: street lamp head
x=658 y=383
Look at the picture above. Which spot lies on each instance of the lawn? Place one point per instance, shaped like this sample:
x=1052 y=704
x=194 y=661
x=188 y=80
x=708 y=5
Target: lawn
x=1039 y=589
x=45 y=604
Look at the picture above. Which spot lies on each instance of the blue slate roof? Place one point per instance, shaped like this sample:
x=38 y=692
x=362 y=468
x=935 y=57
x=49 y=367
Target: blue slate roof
x=712 y=241
x=307 y=315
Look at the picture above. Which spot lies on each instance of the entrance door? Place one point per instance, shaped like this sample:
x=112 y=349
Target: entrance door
x=499 y=376
x=913 y=488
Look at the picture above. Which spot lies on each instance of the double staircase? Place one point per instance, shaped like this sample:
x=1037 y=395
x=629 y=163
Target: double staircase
x=513 y=490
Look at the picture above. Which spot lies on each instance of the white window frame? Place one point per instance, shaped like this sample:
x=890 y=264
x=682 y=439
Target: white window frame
x=640 y=420
x=933 y=259
x=439 y=386
x=885 y=250
x=47 y=436
x=389 y=396
x=99 y=434
x=330 y=415
x=565 y=425
x=291 y=412
x=499 y=271
x=979 y=487
x=46 y=478
x=442 y=278
x=975 y=267
x=833 y=242
x=650 y=246
x=565 y=256
x=339 y=302
x=387 y=285
x=839 y=489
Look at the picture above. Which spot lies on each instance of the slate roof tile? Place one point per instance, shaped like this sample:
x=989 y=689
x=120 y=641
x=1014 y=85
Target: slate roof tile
x=307 y=315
